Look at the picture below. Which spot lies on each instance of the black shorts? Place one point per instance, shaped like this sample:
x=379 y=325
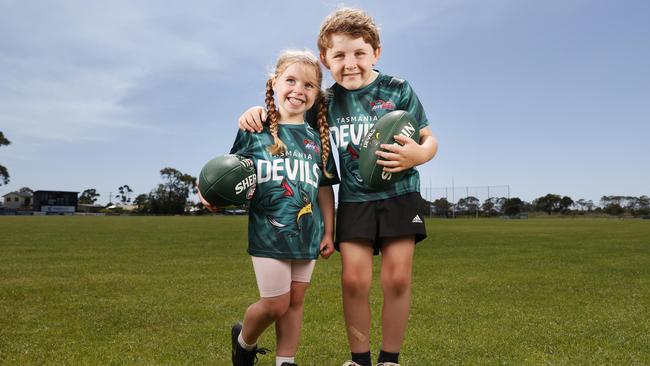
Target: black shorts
x=374 y=220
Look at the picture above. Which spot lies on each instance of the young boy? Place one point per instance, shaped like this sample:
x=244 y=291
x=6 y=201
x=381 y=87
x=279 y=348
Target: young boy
x=369 y=221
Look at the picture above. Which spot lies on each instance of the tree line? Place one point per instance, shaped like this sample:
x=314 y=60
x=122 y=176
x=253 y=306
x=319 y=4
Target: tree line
x=171 y=197
x=549 y=204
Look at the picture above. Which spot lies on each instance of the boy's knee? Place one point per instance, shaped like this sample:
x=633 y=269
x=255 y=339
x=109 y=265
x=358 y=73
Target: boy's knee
x=354 y=284
x=396 y=283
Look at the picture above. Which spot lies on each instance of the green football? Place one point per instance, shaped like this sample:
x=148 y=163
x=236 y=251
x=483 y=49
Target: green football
x=391 y=124
x=228 y=180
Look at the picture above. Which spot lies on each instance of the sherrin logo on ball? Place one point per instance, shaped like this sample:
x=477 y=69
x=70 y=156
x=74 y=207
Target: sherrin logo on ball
x=228 y=180
x=391 y=124
x=249 y=182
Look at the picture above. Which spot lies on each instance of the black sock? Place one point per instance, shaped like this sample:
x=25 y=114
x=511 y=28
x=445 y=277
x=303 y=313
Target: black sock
x=362 y=359
x=388 y=357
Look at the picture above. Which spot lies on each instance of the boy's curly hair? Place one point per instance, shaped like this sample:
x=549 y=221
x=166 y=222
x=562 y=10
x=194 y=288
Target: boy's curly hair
x=350 y=21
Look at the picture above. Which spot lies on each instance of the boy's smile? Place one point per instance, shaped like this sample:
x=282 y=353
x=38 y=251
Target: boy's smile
x=350 y=61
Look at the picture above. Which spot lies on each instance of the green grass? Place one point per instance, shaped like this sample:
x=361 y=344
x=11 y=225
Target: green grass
x=165 y=290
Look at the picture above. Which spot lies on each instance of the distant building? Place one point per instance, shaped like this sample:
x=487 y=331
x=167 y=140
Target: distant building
x=57 y=202
x=89 y=208
x=17 y=200
x=127 y=207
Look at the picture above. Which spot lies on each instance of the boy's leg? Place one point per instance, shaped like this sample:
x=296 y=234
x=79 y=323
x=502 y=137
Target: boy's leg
x=356 y=259
x=356 y=232
x=396 y=270
x=401 y=225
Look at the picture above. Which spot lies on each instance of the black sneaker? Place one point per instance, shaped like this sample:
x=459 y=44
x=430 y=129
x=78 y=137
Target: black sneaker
x=240 y=356
x=288 y=364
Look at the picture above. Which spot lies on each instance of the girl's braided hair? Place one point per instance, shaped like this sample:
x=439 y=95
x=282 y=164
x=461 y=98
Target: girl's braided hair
x=286 y=59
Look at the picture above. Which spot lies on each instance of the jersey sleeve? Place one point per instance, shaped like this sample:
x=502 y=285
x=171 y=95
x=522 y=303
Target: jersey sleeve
x=242 y=145
x=410 y=102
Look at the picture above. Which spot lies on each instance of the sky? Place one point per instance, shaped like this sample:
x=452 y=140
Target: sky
x=528 y=97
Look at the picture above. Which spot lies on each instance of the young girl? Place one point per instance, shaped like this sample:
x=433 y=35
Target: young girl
x=291 y=217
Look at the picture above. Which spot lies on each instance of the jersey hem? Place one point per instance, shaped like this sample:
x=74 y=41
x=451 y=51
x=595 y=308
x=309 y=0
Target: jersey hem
x=279 y=255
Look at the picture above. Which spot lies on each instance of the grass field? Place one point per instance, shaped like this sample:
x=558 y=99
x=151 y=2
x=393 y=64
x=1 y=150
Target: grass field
x=165 y=290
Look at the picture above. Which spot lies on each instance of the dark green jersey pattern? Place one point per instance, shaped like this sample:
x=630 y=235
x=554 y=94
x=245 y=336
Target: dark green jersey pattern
x=285 y=220
x=351 y=114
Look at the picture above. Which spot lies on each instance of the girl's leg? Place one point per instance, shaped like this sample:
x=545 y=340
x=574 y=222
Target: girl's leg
x=356 y=259
x=396 y=269
x=263 y=313
x=274 y=283
x=287 y=328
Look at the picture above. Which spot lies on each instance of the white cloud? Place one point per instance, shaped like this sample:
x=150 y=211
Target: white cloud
x=68 y=69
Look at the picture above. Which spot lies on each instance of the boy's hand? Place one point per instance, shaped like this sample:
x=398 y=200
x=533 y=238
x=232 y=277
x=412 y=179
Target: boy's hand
x=252 y=119
x=326 y=246
x=401 y=157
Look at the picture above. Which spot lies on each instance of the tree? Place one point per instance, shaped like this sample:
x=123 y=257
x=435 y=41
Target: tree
x=549 y=203
x=610 y=200
x=124 y=194
x=26 y=190
x=492 y=206
x=614 y=209
x=4 y=173
x=89 y=196
x=171 y=196
x=565 y=204
x=143 y=203
x=644 y=206
x=442 y=206
x=468 y=205
x=513 y=206
x=629 y=203
x=461 y=206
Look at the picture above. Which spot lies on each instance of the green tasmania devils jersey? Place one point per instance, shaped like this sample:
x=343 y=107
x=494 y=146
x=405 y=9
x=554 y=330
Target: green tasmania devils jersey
x=351 y=114
x=284 y=217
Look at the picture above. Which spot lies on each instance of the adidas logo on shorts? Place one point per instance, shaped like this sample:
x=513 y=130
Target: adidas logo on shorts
x=417 y=219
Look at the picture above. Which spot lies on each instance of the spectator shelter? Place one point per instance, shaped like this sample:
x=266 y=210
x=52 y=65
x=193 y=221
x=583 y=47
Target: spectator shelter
x=55 y=202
